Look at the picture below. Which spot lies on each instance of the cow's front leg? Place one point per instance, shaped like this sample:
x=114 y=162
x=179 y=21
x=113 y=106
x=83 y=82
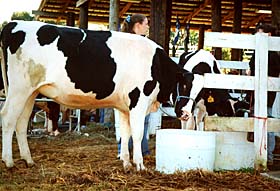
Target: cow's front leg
x=125 y=135
x=137 y=120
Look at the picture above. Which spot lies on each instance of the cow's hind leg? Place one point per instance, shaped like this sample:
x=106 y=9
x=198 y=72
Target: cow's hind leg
x=125 y=135
x=11 y=112
x=21 y=131
x=137 y=120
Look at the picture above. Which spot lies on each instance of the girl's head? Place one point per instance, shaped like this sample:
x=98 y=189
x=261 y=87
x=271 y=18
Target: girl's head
x=137 y=24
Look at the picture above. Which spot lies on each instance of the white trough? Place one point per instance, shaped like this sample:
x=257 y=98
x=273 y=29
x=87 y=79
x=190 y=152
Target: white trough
x=233 y=151
x=181 y=150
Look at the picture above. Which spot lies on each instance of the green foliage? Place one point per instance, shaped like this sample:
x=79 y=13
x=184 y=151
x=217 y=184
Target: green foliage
x=193 y=38
x=22 y=16
x=226 y=54
x=2 y=25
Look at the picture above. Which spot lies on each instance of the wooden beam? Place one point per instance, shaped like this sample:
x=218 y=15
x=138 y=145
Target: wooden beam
x=237 y=124
x=49 y=14
x=80 y=2
x=195 y=12
x=255 y=21
x=123 y=11
x=231 y=13
x=63 y=10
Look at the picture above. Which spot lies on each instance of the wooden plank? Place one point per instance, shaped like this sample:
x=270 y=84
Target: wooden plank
x=274 y=43
x=229 y=40
x=237 y=124
x=234 y=64
x=229 y=81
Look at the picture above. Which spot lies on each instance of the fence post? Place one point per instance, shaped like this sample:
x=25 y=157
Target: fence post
x=260 y=106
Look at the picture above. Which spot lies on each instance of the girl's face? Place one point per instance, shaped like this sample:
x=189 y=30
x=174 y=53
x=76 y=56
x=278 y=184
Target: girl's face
x=142 y=28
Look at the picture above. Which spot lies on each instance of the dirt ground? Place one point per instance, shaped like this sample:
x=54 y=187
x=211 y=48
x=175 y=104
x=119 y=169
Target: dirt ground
x=79 y=162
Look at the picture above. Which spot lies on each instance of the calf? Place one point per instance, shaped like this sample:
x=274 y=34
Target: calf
x=209 y=101
x=86 y=69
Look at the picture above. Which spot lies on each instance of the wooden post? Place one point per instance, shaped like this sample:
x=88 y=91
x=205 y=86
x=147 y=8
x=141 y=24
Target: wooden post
x=83 y=17
x=70 y=19
x=260 y=107
x=275 y=6
x=216 y=25
x=236 y=53
x=114 y=15
x=201 y=36
x=160 y=22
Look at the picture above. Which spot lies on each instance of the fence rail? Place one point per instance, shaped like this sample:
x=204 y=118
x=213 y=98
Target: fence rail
x=260 y=83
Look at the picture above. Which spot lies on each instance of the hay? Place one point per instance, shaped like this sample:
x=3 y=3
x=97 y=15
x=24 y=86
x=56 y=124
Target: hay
x=77 y=162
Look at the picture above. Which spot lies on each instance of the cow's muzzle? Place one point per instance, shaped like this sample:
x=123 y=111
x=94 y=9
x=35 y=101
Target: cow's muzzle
x=185 y=115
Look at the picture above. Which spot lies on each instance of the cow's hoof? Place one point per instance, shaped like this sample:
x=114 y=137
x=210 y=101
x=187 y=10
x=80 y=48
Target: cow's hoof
x=28 y=163
x=127 y=166
x=8 y=164
x=140 y=166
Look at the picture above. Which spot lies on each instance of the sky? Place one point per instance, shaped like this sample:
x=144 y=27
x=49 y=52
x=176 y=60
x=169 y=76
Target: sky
x=7 y=7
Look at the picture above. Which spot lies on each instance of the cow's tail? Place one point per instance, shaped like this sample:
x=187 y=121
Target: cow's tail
x=3 y=68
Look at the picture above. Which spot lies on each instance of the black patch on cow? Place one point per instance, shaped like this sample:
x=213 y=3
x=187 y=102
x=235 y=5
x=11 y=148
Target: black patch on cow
x=216 y=69
x=164 y=71
x=134 y=97
x=219 y=103
x=201 y=68
x=185 y=57
x=47 y=34
x=149 y=87
x=11 y=40
x=89 y=64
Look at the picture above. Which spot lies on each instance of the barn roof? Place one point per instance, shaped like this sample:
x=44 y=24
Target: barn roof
x=197 y=12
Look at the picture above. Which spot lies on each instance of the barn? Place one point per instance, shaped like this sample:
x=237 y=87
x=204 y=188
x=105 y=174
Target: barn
x=211 y=40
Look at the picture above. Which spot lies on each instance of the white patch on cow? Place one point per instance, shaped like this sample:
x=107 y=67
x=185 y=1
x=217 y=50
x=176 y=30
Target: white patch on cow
x=136 y=46
x=201 y=56
x=84 y=37
x=197 y=85
x=232 y=102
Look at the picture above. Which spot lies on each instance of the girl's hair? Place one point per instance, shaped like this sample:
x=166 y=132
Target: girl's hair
x=130 y=21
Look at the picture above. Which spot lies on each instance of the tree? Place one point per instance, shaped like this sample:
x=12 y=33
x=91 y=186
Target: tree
x=22 y=16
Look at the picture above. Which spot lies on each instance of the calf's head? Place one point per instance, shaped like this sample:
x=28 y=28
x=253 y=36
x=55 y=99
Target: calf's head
x=188 y=87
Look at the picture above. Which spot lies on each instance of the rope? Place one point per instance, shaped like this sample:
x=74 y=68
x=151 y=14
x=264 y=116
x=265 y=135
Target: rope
x=263 y=131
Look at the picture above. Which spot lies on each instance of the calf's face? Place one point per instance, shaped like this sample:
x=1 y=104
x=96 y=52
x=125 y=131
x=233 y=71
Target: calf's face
x=188 y=87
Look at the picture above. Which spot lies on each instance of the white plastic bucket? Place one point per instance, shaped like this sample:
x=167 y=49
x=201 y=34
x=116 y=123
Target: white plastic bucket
x=181 y=150
x=233 y=151
x=154 y=122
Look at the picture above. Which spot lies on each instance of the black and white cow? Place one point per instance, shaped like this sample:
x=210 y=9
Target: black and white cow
x=209 y=101
x=86 y=69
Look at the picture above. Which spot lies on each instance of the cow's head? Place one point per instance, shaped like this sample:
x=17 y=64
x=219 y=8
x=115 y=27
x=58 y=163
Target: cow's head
x=188 y=87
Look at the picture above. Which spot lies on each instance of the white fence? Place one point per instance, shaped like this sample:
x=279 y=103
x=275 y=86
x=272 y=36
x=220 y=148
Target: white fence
x=261 y=83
